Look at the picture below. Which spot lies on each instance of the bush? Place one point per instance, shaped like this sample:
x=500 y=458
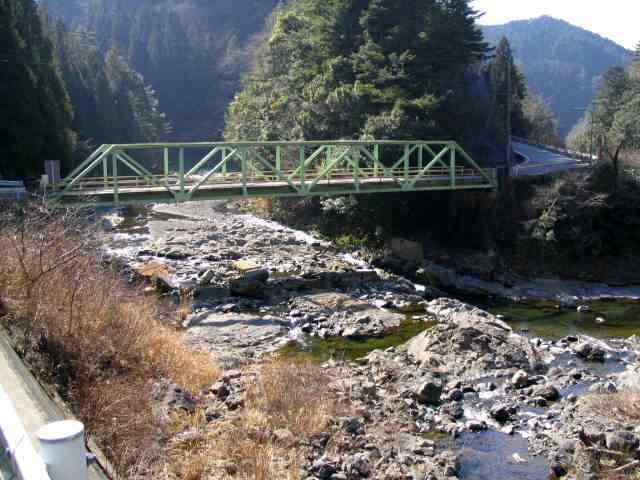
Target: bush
x=103 y=343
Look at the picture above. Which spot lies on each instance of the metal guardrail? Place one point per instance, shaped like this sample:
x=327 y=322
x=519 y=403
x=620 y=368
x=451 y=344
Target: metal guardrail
x=563 y=151
x=25 y=461
x=10 y=189
x=245 y=169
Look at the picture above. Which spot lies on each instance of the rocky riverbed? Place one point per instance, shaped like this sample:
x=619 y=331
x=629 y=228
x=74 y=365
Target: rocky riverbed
x=463 y=396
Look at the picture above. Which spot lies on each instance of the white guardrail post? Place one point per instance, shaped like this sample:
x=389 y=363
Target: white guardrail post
x=63 y=451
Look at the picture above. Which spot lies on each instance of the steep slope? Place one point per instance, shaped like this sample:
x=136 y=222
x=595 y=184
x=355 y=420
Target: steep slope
x=561 y=62
x=192 y=52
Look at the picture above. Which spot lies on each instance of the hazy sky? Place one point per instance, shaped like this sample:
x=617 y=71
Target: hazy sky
x=618 y=20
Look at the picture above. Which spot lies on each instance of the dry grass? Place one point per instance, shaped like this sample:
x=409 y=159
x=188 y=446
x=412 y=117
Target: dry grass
x=103 y=341
x=105 y=345
x=286 y=397
x=618 y=408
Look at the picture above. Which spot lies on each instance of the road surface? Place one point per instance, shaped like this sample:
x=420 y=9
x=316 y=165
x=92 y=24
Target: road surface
x=541 y=162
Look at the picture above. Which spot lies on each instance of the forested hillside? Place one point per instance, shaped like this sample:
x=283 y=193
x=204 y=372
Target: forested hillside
x=35 y=111
x=561 y=62
x=192 y=51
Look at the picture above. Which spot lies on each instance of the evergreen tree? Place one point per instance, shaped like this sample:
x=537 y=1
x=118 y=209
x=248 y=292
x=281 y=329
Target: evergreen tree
x=35 y=114
x=361 y=69
x=505 y=78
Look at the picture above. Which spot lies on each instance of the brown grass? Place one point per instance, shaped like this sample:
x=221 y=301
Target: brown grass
x=286 y=396
x=104 y=341
x=620 y=408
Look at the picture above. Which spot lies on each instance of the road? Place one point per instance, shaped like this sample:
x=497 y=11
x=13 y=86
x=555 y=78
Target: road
x=541 y=162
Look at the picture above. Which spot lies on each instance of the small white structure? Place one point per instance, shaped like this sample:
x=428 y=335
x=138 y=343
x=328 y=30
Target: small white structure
x=63 y=451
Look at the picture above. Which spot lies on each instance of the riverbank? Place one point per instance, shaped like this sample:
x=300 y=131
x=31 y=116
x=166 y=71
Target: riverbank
x=418 y=402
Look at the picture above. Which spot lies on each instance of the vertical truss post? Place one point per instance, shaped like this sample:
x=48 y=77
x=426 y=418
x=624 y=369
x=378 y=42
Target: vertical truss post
x=224 y=165
x=105 y=172
x=243 y=169
x=376 y=155
x=355 y=159
x=420 y=159
x=116 y=194
x=452 y=166
x=406 y=164
x=278 y=157
x=166 y=166
x=302 y=167
x=181 y=170
x=327 y=161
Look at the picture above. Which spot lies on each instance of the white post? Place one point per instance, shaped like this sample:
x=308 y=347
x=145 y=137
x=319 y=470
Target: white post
x=63 y=451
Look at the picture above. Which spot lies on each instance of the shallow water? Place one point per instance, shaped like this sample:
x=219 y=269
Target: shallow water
x=341 y=348
x=495 y=456
x=545 y=320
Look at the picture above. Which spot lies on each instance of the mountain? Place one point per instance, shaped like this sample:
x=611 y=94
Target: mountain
x=192 y=52
x=561 y=62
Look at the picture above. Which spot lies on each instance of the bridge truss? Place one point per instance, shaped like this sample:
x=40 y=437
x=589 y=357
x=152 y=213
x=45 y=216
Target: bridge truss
x=182 y=172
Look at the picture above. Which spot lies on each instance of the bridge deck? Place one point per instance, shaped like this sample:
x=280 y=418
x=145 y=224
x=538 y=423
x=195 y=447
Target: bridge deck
x=273 y=170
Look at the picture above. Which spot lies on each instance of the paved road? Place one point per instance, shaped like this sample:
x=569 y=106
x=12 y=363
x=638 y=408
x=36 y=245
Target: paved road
x=540 y=162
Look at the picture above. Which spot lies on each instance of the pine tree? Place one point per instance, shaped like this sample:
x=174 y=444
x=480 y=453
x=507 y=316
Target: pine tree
x=35 y=115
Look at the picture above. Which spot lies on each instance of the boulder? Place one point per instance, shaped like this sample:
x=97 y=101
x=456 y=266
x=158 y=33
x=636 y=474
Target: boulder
x=467 y=342
x=428 y=390
x=589 y=351
x=500 y=413
x=407 y=250
x=247 y=287
x=622 y=441
x=548 y=392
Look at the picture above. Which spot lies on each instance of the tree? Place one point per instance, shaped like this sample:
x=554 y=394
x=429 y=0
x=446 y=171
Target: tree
x=505 y=78
x=542 y=126
x=361 y=69
x=35 y=114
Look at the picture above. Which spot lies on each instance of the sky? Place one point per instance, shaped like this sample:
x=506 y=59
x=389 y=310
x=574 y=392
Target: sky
x=614 y=19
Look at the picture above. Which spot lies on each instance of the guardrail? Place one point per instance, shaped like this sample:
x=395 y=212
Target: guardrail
x=563 y=151
x=22 y=454
x=11 y=189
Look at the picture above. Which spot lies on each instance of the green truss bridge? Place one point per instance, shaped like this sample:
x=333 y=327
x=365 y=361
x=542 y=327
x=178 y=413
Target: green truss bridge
x=182 y=172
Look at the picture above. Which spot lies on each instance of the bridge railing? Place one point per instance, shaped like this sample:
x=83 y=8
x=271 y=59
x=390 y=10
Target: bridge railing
x=183 y=170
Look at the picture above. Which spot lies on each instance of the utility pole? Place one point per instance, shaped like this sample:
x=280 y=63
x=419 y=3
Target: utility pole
x=509 y=99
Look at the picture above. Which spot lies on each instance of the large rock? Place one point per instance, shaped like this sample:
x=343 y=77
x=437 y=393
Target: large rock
x=589 y=351
x=247 y=287
x=428 y=390
x=407 y=250
x=468 y=342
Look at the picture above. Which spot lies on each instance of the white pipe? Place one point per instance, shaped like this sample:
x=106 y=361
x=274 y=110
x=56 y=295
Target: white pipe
x=63 y=451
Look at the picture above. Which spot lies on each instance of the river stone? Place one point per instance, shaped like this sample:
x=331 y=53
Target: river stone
x=622 y=441
x=428 y=390
x=501 y=413
x=247 y=287
x=589 y=352
x=548 y=392
x=467 y=342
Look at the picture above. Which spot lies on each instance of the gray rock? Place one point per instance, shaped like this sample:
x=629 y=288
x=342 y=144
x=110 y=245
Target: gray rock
x=622 y=441
x=521 y=379
x=467 y=342
x=353 y=425
x=206 y=277
x=428 y=391
x=589 y=352
x=501 y=413
x=548 y=392
x=247 y=287
x=324 y=468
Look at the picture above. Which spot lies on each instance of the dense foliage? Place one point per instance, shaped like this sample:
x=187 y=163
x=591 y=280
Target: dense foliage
x=561 y=62
x=612 y=121
x=365 y=69
x=35 y=112
x=191 y=51
x=112 y=102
